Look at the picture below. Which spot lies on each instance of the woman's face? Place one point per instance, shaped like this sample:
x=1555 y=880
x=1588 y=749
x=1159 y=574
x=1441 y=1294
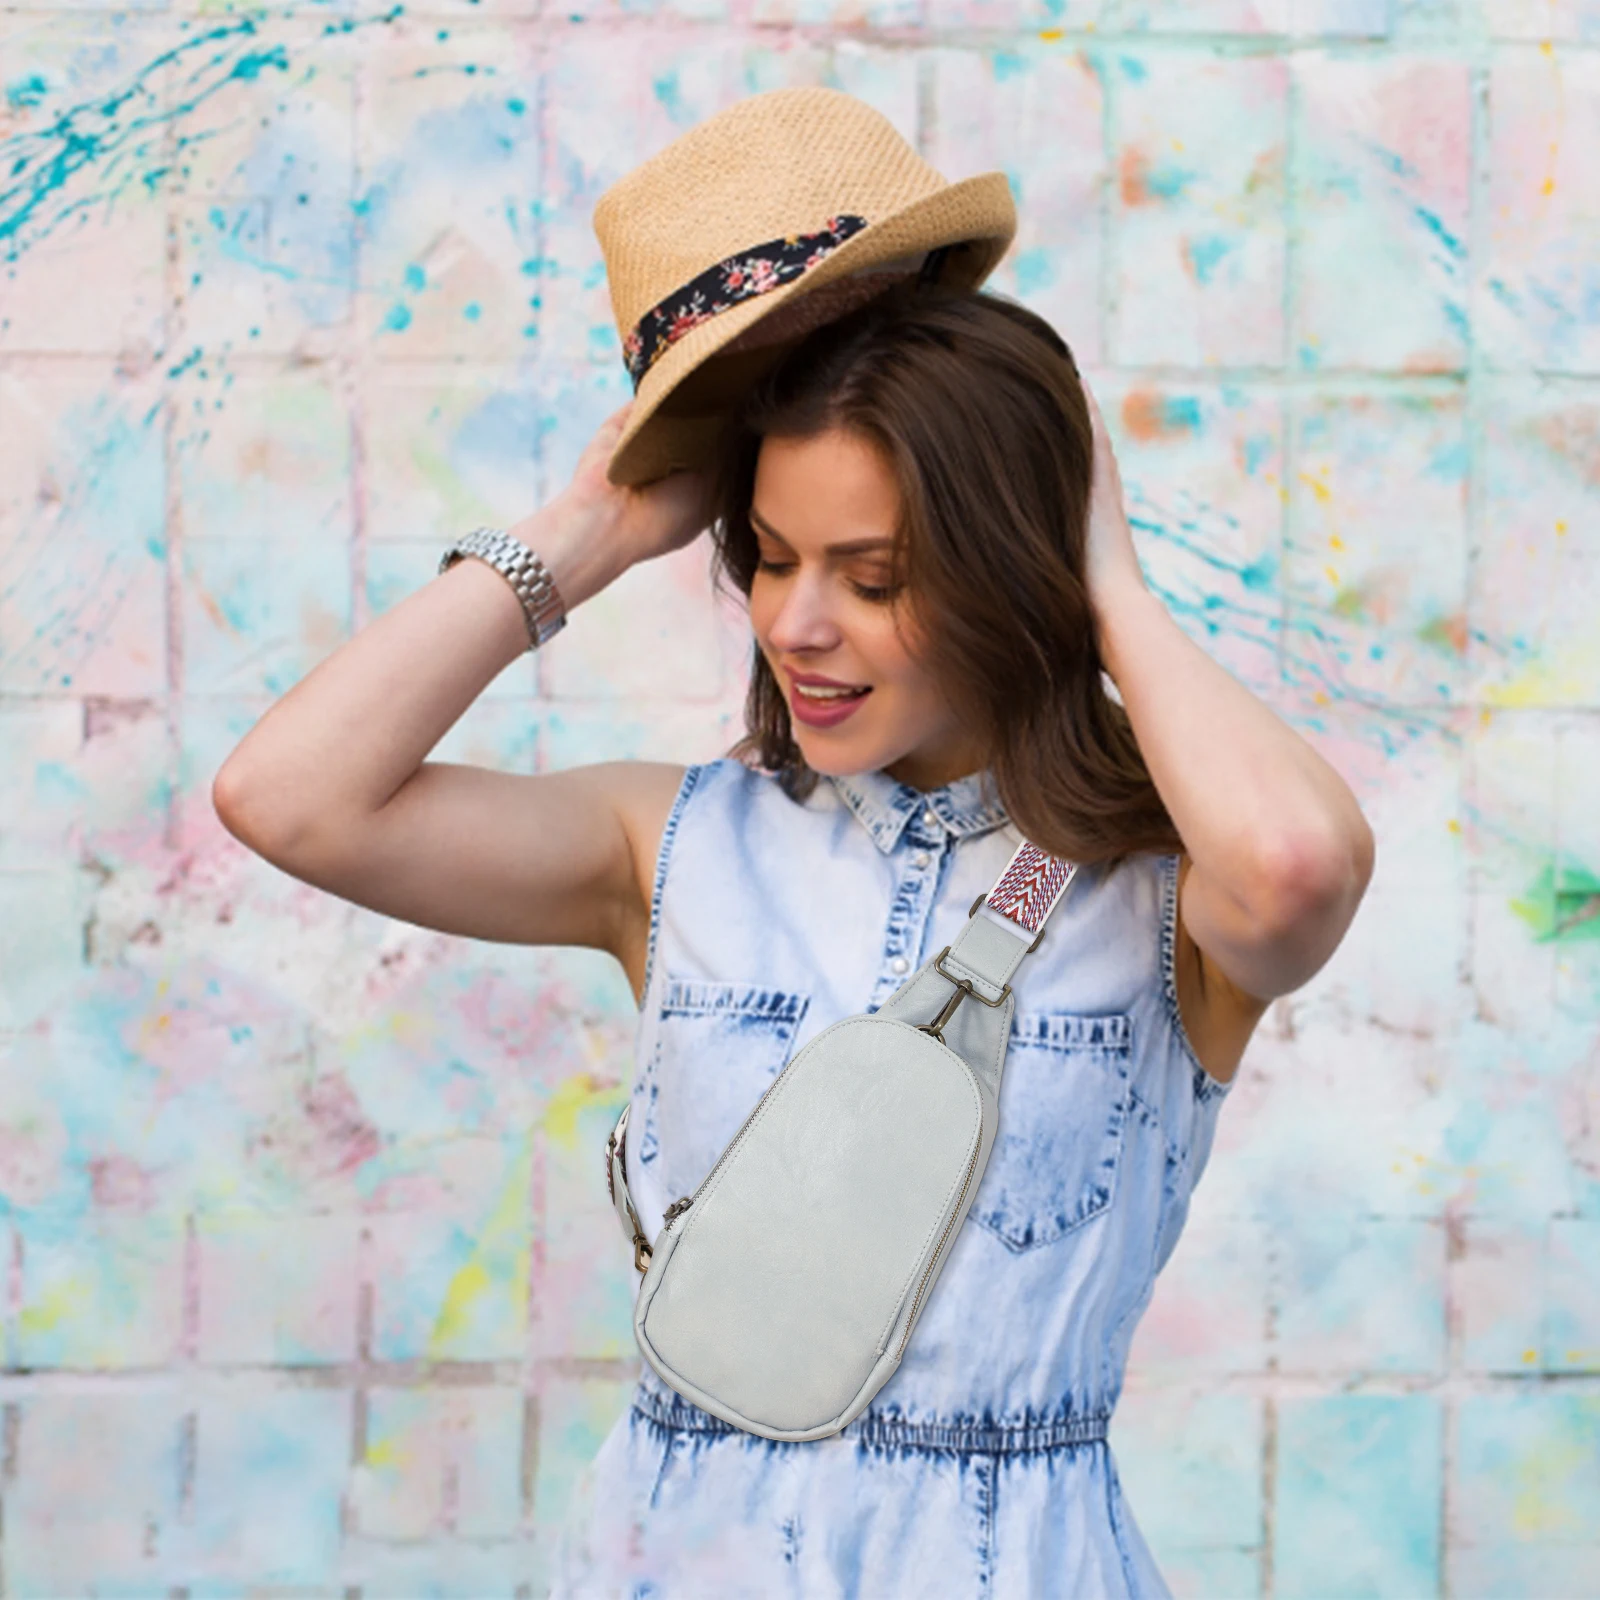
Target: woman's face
x=825 y=513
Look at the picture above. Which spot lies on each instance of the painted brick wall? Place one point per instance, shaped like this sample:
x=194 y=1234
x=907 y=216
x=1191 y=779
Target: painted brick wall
x=309 y=1281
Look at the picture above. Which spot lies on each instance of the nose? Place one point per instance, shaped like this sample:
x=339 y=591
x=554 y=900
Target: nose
x=805 y=619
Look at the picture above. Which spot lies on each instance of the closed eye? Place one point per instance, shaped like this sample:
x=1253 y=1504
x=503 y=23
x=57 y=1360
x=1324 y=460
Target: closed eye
x=866 y=591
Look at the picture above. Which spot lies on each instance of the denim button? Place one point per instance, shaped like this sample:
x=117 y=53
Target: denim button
x=899 y=964
x=921 y=859
x=931 y=817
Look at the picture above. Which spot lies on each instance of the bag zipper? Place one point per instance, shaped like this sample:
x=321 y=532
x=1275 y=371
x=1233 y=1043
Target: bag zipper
x=928 y=1270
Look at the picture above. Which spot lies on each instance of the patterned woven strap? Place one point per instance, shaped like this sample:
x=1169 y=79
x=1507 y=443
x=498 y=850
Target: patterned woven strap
x=1030 y=887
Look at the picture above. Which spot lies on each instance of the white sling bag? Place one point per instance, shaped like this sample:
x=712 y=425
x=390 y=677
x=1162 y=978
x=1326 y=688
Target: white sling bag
x=781 y=1294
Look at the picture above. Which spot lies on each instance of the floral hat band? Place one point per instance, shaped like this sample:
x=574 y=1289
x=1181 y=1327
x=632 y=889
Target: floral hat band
x=757 y=270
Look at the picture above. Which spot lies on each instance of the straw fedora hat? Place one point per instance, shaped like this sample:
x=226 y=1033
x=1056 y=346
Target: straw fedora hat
x=774 y=216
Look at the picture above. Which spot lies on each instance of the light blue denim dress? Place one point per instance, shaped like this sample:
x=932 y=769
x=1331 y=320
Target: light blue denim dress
x=982 y=1467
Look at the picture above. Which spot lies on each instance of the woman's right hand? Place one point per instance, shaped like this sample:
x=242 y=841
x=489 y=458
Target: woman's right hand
x=636 y=524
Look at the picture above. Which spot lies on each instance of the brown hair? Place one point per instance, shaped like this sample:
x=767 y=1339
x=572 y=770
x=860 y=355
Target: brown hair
x=977 y=407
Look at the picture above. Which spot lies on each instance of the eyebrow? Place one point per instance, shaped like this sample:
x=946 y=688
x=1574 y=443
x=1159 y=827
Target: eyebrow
x=851 y=547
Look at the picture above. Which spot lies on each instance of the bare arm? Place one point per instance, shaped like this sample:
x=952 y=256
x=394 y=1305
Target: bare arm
x=333 y=786
x=1280 y=849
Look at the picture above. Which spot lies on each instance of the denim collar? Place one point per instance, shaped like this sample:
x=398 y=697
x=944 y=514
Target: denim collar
x=884 y=806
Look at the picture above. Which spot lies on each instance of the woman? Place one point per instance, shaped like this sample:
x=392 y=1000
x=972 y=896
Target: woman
x=920 y=504
x=1220 y=863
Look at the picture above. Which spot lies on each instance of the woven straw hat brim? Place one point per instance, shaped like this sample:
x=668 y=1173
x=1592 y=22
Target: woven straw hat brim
x=978 y=212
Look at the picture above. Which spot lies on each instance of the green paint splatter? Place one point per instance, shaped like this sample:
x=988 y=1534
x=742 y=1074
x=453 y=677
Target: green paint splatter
x=1561 y=904
x=1349 y=602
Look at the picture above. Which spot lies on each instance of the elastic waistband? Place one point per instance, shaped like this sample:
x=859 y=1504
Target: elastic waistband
x=673 y=1412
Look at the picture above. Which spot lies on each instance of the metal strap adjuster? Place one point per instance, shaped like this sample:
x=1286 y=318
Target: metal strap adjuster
x=963 y=986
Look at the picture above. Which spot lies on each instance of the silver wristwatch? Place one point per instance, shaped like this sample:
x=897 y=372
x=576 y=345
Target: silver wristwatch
x=527 y=574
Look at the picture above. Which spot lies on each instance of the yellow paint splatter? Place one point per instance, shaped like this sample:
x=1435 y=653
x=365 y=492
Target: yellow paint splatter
x=500 y=1242
x=1548 y=186
x=1050 y=35
x=56 y=1305
x=1544 y=1501
x=382 y=1453
x=1453 y=825
x=1561 y=530
x=1530 y=1356
x=575 y=1095
x=1335 y=541
x=409 y=1027
x=1540 y=683
x=1318 y=486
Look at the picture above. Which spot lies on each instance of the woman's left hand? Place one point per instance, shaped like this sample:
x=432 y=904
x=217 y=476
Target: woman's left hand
x=1111 y=563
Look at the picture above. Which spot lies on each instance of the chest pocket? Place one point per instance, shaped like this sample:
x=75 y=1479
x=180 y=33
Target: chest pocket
x=718 y=1046
x=1064 y=1108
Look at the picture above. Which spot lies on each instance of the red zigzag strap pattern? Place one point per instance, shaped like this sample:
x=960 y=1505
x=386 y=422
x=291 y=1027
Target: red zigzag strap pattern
x=1030 y=887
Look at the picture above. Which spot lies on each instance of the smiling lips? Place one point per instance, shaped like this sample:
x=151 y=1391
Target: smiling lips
x=816 y=686
x=820 y=702
x=811 y=691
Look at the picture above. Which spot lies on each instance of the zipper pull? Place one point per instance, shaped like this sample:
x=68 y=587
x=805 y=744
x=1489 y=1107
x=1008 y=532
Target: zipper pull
x=676 y=1209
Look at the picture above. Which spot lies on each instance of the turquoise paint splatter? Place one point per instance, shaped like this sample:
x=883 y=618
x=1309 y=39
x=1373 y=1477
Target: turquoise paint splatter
x=1432 y=221
x=1168 y=182
x=1035 y=269
x=26 y=93
x=102 y=147
x=669 y=92
x=249 y=68
x=1242 y=601
x=1206 y=252
x=1180 y=411
x=53 y=782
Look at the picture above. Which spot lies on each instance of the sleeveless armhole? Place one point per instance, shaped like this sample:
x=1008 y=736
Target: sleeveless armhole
x=1206 y=1088
x=691 y=776
x=1193 y=1105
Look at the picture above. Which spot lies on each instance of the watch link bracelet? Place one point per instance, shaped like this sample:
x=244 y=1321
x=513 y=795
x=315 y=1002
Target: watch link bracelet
x=542 y=604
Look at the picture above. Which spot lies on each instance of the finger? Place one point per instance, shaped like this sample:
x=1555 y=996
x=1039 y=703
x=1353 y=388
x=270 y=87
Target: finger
x=1096 y=416
x=612 y=427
